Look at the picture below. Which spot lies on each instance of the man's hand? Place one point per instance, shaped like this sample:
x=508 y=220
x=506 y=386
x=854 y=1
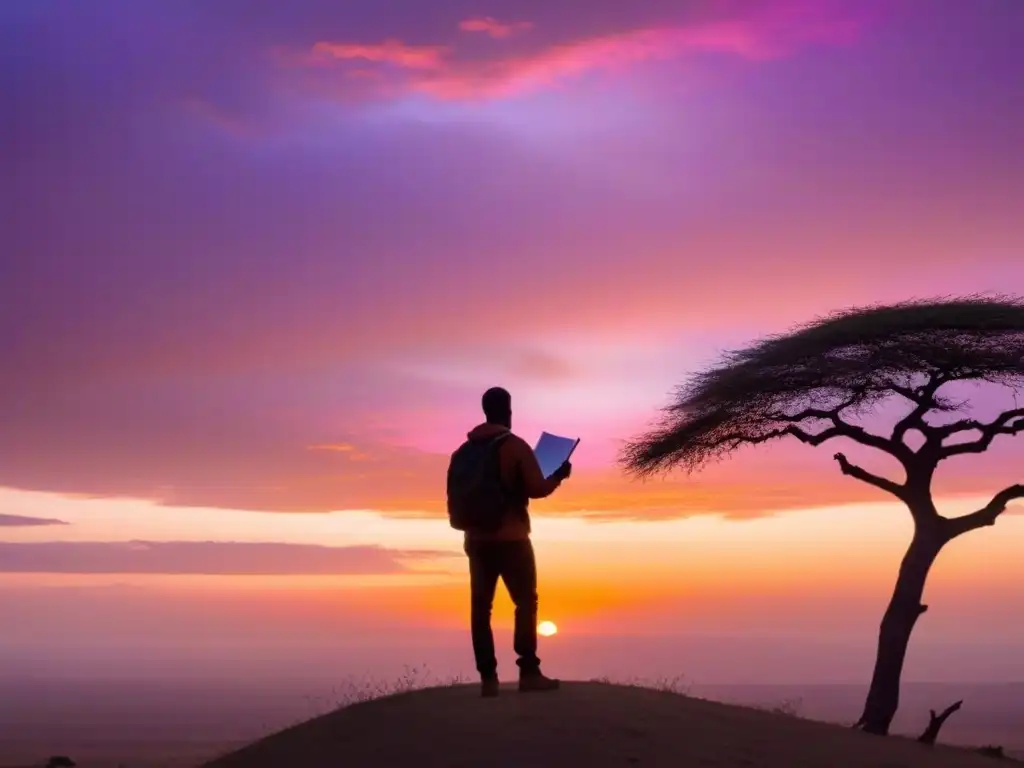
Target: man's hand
x=563 y=472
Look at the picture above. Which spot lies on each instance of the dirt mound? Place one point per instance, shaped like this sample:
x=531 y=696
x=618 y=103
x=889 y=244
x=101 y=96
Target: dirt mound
x=585 y=724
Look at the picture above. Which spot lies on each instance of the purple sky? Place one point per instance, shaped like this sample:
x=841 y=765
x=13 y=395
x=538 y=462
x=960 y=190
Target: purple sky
x=236 y=229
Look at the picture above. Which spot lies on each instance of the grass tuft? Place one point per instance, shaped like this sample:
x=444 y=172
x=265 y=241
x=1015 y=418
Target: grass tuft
x=355 y=689
x=676 y=684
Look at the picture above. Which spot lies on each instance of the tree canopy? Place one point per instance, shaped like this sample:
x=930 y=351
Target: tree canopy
x=800 y=384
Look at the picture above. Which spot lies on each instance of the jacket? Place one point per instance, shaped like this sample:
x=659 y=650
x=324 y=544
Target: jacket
x=523 y=479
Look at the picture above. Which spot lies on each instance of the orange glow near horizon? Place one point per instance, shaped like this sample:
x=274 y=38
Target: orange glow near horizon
x=598 y=576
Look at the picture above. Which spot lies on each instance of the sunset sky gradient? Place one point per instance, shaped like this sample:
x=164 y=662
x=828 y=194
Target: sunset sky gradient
x=260 y=260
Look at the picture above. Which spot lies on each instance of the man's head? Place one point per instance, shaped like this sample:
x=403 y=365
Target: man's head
x=497 y=403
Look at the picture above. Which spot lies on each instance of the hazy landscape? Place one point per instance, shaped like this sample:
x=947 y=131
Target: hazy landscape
x=181 y=722
x=157 y=703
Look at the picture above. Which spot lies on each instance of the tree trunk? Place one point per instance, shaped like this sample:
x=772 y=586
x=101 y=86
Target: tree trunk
x=897 y=624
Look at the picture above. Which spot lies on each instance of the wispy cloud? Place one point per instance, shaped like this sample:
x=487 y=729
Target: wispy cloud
x=496 y=29
x=20 y=521
x=204 y=557
x=221 y=119
x=542 y=366
x=350 y=451
x=440 y=72
x=394 y=52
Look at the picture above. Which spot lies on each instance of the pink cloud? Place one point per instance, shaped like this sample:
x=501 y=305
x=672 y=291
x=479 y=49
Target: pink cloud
x=349 y=450
x=534 y=364
x=395 y=52
x=439 y=72
x=493 y=27
x=568 y=60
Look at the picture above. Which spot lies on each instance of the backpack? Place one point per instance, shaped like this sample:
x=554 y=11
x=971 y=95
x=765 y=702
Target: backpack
x=476 y=498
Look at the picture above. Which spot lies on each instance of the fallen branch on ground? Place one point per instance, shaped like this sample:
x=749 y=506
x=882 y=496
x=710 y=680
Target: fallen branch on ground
x=931 y=733
x=996 y=752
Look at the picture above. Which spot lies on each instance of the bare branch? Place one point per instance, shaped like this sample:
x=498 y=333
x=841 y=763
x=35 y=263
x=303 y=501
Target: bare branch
x=906 y=392
x=810 y=438
x=991 y=751
x=813 y=438
x=943 y=431
x=842 y=428
x=935 y=723
x=859 y=473
x=985 y=516
x=1008 y=423
x=833 y=414
x=924 y=396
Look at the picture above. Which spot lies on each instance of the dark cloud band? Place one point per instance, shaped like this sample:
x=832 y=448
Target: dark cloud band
x=21 y=521
x=206 y=558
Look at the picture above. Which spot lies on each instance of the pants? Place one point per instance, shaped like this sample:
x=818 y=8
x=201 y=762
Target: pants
x=514 y=563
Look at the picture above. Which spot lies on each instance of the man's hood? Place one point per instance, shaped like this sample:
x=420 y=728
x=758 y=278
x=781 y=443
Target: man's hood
x=486 y=431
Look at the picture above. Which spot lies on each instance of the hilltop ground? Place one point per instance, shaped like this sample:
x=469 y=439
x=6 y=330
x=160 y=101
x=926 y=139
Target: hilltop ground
x=587 y=724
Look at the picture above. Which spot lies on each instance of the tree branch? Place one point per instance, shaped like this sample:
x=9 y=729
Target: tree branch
x=842 y=428
x=736 y=439
x=931 y=733
x=906 y=392
x=985 y=516
x=896 y=489
x=1009 y=423
x=810 y=438
x=924 y=397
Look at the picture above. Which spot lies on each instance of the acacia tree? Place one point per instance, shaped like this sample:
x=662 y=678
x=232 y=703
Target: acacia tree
x=813 y=383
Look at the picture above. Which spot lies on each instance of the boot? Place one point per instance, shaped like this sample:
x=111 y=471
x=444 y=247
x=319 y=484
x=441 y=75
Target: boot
x=489 y=687
x=536 y=681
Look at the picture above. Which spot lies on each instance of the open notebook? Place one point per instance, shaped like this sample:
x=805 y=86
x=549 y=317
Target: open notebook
x=552 y=451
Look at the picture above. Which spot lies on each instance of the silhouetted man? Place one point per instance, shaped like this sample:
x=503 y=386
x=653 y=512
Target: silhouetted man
x=497 y=536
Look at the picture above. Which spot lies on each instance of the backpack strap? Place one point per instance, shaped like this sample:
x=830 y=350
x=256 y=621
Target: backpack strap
x=493 y=446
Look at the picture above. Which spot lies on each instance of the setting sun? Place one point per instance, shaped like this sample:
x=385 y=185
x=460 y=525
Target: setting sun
x=547 y=628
